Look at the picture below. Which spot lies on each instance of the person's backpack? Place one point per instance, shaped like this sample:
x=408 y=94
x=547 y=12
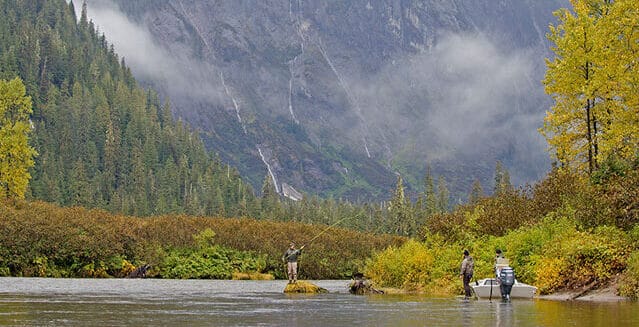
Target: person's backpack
x=470 y=265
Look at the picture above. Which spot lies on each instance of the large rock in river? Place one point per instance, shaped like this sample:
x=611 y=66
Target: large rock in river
x=303 y=287
x=362 y=286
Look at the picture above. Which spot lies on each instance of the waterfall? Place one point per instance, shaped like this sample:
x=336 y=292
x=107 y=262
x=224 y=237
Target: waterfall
x=195 y=26
x=235 y=105
x=349 y=96
x=290 y=99
x=290 y=90
x=368 y=153
x=270 y=171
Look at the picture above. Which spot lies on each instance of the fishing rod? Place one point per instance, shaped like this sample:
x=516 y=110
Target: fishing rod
x=324 y=231
x=320 y=234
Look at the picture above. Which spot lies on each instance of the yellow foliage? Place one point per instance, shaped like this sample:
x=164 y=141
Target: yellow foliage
x=16 y=155
x=593 y=80
x=408 y=266
x=127 y=268
x=549 y=274
x=629 y=285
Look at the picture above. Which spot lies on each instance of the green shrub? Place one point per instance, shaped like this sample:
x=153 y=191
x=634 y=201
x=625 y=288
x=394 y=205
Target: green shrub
x=407 y=266
x=629 y=283
x=582 y=258
x=212 y=262
x=552 y=255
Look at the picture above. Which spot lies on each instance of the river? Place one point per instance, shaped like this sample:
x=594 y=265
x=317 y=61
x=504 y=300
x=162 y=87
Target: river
x=156 y=302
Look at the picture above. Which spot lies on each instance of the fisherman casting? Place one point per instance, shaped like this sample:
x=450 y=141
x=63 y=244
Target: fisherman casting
x=290 y=257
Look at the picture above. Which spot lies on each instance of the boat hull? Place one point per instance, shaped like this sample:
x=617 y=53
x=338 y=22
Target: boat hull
x=483 y=287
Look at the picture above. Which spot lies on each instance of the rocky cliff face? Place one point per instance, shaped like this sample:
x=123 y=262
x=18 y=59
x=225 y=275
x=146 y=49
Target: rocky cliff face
x=335 y=97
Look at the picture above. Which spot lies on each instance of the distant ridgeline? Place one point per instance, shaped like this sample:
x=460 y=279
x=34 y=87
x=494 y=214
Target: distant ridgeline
x=102 y=140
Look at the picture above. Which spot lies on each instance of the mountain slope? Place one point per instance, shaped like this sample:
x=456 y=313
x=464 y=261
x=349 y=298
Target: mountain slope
x=334 y=97
x=102 y=140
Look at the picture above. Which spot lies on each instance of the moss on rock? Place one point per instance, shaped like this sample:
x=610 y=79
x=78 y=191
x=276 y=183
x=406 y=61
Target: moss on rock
x=304 y=287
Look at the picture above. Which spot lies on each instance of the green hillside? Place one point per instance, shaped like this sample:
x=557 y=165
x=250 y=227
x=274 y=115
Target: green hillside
x=102 y=140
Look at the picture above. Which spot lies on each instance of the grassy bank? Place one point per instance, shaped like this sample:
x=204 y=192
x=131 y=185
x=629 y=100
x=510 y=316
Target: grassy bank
x=40 y=239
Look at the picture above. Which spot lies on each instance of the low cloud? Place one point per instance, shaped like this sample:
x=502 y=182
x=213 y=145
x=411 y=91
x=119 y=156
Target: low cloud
x=466 y=95
x=177 y=72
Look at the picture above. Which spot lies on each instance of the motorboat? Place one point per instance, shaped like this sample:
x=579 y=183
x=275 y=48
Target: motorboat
x=483 y=287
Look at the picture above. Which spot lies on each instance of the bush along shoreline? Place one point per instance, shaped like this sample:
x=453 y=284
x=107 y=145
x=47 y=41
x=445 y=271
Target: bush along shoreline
x=38 y=239
x=565 y=234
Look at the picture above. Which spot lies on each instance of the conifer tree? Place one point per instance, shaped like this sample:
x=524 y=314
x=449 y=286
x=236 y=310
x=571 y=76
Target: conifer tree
x=443 y=195
x=502 y=179
x=476 y=192
x=400 y=211
x=429 y=193
x=270 y=199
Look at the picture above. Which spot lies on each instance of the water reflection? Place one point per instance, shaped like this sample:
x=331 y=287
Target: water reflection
x=120 y=302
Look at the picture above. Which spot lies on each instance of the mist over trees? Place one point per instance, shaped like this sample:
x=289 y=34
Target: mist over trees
x=103 y=140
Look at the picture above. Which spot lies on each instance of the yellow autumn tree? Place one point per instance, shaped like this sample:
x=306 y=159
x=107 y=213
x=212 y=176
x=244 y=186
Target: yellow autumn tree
x=16 y=155
x=593 y=82
x=618 y=84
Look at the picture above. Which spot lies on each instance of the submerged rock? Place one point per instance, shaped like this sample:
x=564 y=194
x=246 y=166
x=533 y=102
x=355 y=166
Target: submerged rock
x=304 y=287
x=251 y=276
x=139 y=272
x=362 y=286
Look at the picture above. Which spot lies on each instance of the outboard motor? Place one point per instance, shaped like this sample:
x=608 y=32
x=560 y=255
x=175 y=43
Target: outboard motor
x=506 y=282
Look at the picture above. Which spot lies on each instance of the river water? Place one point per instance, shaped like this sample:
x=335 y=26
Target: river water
x=155 y=302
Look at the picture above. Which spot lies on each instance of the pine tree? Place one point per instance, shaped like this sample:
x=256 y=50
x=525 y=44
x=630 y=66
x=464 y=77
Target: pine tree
x=98 y=131
x=443 y=195
x=429 y=193
x=502 y=179
x=270 y=199
x=400 y=211
x=16 y=155
x=476 y=192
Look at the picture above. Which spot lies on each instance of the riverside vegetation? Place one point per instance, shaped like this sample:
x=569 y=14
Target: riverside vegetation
x=563 y=233
x=578 y=228
x=40 y=239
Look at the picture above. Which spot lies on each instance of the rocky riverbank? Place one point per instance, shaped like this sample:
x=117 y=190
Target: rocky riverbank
x=606 y=293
